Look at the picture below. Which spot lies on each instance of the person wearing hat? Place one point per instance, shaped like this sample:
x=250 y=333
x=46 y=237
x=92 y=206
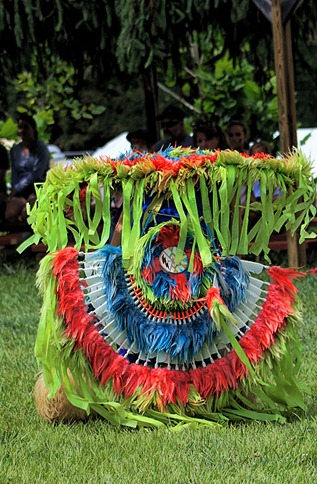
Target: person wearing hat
x=140 y=139
x=172 y=123
x=30 y=161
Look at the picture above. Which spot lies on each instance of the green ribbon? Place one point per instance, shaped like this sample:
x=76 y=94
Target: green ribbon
x=192 y=257
x=191 y=206
x=243 y=246
x=206 y=204
x=106 y=218
x=216 y=213
x=224 y=209
x=93 y=192
x=232 y=195
x=127 y=186
x=183 y=223
x=137 y=215
x=236 y=346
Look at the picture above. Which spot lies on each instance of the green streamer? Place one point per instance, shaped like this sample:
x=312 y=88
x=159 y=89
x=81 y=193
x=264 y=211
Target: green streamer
x=245 y=238
x=292 y=209
x=93 y=192
x=224 y=209
x=127 y=186
x=279 y=202
x=236 y=346
x=192 y=257
x=216 y=214
x=79 y=220
x=206 y=204
x=191 y=206
x=34 y=239
x=183 y=223
x=106 y=217
x=137 y=215
x=62 y=232
x=235 y=226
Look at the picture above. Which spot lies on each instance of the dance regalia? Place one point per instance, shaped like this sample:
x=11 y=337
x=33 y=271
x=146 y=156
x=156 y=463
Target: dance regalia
x=172 y=326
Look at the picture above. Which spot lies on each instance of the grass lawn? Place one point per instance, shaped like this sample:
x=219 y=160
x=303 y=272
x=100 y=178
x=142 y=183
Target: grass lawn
x=33 y=451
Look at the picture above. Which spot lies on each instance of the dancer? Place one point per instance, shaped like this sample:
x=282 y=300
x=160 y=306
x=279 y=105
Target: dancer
x=170 y=326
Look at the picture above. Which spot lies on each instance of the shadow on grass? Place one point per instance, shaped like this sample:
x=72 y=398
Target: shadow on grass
x=12 y=262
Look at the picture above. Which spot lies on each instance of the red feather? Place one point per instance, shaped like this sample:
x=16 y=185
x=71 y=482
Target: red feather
x=148 y=274
x=285 y=276
x=213 y=293
x=168 y=386
x=181 y=291
x=168 y=236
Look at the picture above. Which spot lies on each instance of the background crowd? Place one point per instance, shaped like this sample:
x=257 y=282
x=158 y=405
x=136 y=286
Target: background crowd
x=207 y=134
x=29 y=160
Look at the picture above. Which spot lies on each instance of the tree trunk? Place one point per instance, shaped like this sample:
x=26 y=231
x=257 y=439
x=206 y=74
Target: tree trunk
x=151 y=101
x=286 y=103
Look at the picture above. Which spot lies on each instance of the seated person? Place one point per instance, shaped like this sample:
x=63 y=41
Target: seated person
x=172 y=123
x=30 y=161
x=261 y=147
x=208 y=135
x=140 y=140
x=237 y=136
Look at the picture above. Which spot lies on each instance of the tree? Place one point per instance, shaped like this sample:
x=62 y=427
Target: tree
x=229 y=91
x=78 y=32
x=55 y=99
x=125 y=38
x=134 y=34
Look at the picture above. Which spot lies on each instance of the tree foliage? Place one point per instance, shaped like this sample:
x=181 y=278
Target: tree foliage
x=55 y=99
x=152 y=32
x=133 y=34
x=74 y=30
x=117 y=40
x=228 y=91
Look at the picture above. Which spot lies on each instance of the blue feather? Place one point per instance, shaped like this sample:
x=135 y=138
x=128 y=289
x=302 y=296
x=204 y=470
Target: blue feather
x=179 y=341
x=236 y=280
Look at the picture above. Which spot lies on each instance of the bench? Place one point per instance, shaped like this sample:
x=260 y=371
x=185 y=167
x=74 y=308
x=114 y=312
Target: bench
x=13 y=234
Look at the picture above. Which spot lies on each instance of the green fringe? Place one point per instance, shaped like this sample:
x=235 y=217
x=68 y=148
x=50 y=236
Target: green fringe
x=223 y=179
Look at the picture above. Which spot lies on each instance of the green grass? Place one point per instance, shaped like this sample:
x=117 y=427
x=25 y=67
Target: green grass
x=33 y=451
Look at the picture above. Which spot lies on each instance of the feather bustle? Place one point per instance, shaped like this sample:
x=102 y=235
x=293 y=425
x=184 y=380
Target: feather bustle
x=168 y=386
